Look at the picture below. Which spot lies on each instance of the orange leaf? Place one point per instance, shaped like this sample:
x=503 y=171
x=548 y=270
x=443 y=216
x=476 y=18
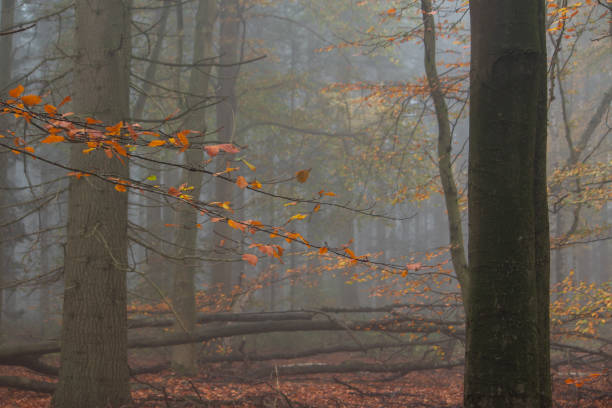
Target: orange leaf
x=302 y=175
x=120 y=188
x=391 y=11
x=156 y=143
x=217 y=219
x=174 y=192
x=16 y=92
x=241 y=182
x=65 y=101
x=250 y=258
x=236 y=225
x=323 y=250
x=92 y=121
x=53 y=139
x=317 y=208
x=31 y=100
x=214 y=150
x=350 y=253
x=50 y=109
x=29 y=149
x=182 y=137
x=255 y=184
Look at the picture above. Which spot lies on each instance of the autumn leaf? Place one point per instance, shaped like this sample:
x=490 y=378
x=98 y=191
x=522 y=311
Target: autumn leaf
x=323 y=250
x=31 y=100
x=317 y=208
x=53 y=139
x=16 y=92
x=29 y=149
x=65 y=101
x=214 y=150
x=302 y=175
x=289 y=204
x=392 y=11
x=249 y=165
x=156 y=143
x=120 y=188
x=92 y=121
x=414 y=266
x=250 y=258
x=182 y=137
x=298 y=217
x=174 y=192
x=255 y=184
x=50 y=109
x=236 y=225
x=241 y=182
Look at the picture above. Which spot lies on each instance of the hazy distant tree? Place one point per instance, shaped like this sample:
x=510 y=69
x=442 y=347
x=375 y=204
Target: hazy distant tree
x=184 y=359
x=227 y=75
x=507 y=360
x=6 y=65
x=94 y=371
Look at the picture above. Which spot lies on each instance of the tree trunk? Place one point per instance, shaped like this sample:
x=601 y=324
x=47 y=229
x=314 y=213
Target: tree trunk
x=222 y=274
x=507 y=356
x=6 y=66
x=94 y=370
x=445 y=139
x=184 y=360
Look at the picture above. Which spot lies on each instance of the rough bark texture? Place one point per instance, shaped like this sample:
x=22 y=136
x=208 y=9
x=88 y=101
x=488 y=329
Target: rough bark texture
x=6 y=65
x=445 y=139
x=184 y=359
x=94 y=371
x=507 y=357
x=226 y=122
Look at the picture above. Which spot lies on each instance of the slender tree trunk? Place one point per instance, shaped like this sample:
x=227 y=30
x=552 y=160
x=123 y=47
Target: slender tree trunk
x=184 y=359
x=445 y=151
x=94 y=371
x=507 y=356
x=222 y=273
x=6 y=66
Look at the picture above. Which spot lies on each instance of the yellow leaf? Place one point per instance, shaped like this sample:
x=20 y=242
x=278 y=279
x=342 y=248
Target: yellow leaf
x=255 y=184
x=53 y=139
x=298 y=217
x=249 y=165
x=88 y=150
x=291 y=203
x=302 y=175
x=31 y=100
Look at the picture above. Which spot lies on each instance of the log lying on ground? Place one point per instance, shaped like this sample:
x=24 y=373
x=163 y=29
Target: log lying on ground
x=401 y=324
x=350 y=367
x=27 y=384
x=136 y=323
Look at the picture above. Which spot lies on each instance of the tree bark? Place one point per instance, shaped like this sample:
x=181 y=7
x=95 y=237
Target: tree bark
x=222 y=273
x=445 y=139
x=507 y=355
x=94 y=371
x=6 y=67
x=184 y=359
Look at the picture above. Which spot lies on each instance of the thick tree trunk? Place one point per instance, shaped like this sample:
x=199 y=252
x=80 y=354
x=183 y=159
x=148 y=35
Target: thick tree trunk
x=184 y=360
x=94 y=371
x=507 y=356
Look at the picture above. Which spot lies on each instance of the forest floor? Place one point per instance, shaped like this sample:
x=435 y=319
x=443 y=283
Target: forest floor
x=426 y=389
